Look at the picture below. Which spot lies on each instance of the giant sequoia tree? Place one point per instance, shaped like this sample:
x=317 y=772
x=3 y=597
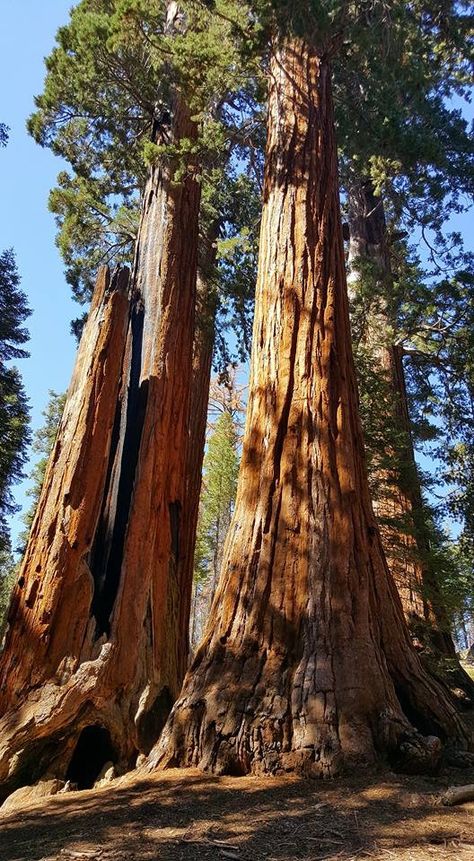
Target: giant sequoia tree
x=106 y=557
x=106 y=547
x=305 y=599
x=395 y=482
x=106 y=91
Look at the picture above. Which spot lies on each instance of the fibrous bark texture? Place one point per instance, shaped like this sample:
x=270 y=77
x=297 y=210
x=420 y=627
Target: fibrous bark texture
x=203 y=348
x=397 y=498
x=50 y=631
x=97 y=642
x=395 y=482
x=307 y=663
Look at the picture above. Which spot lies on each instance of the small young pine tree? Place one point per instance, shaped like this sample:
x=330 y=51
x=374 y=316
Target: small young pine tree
x=221 y=466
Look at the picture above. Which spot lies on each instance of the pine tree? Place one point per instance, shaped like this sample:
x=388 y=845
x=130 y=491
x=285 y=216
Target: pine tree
x=14 y=411
x=42 y=444
x=221 y=464
x=7 y=577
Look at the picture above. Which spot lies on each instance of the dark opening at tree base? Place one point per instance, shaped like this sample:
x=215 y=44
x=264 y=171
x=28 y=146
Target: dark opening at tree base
x=93 y=749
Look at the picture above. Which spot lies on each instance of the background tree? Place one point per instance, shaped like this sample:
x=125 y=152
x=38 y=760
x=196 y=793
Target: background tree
x=221 y=465
x=42 y=445
x=7 y=578
x=14 y=411
x=409 y=536
x=397 y=166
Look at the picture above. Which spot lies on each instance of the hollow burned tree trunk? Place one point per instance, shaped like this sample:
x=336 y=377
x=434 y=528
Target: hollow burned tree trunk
x=101 y=609
x=307 y=663
x=49 y=632
x=397 y=499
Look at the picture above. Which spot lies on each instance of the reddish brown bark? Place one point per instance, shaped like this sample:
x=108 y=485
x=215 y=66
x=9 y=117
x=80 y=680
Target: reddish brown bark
x=397 y=500
x=203 y=347
x=50 y=632
x=106 y=641
x=394 y=484
x=307 y=662
x=69 y=506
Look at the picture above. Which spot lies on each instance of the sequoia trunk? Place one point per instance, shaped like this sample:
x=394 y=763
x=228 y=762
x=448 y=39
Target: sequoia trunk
x=203 y=349
x=102 y=610
x=306 y=662
x=397 y=499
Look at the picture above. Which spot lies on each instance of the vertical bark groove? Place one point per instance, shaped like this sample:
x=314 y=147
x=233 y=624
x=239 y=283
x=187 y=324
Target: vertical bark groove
x=298 y=666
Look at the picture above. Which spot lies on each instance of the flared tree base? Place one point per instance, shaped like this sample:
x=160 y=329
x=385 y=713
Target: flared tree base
x=256 y=715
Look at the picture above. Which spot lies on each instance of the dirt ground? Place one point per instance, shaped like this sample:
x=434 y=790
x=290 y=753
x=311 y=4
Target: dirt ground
x=186 y=815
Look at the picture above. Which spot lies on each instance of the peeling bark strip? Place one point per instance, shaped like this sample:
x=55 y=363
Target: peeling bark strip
x=398 y=504
x=306 y=663
x=97 y=613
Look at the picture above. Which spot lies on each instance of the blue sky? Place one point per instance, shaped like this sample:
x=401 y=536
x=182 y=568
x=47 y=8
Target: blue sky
x=27 y=172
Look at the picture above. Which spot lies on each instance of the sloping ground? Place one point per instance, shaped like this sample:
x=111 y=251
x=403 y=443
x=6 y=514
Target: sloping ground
x=185 y=815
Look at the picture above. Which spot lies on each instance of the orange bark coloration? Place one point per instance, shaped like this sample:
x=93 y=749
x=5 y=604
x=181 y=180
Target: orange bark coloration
x=306 y=663
x=96 y=650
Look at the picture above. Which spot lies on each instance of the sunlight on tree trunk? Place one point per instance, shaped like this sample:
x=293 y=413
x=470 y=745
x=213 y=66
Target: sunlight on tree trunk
x=307 y=663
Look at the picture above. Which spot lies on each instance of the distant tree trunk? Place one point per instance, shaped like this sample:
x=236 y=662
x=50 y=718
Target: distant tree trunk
x=305 y=603
x=398 y=502
x=111 y=656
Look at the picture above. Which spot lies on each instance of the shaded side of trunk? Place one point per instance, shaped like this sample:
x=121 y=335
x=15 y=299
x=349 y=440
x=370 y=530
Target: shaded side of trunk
x=107 y=648
x=305 y=600
x=203 y=347
x=398 y=502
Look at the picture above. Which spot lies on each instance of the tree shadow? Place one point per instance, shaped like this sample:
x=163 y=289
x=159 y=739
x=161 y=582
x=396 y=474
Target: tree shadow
x=187 y=815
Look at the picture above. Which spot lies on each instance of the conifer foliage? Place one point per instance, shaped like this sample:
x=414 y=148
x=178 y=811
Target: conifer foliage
x=14 y=412
x=220 y=470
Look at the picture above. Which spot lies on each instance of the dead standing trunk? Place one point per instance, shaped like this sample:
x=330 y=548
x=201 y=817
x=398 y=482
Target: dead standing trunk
x=306 y=662
x=397 y=500
x=49 y=618
x=113 y=657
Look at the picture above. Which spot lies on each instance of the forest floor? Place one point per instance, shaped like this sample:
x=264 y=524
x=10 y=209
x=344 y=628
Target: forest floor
x=187 y=816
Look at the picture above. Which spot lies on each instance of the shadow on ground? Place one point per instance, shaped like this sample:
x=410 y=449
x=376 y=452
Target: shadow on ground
x=186 y=815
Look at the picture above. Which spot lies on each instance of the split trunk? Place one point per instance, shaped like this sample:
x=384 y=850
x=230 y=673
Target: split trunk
x=98 y=642
x=307 y=663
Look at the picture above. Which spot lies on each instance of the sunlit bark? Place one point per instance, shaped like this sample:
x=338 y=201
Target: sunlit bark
x=306 y=663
